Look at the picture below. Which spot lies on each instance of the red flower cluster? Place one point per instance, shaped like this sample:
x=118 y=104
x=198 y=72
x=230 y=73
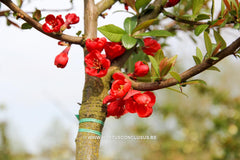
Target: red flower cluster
x=123 y=99
x=172 y=3
x=62 y=59
x=97 y=64
x=151 y=46
x=56 y=24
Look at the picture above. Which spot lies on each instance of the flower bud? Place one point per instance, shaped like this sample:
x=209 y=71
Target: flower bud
x=61 y=60
x=141 y=69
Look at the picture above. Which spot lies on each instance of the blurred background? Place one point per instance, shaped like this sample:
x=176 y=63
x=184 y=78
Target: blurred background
x=38 y=101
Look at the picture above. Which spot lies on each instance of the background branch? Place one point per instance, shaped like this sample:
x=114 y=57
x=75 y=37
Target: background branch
x=38 y=26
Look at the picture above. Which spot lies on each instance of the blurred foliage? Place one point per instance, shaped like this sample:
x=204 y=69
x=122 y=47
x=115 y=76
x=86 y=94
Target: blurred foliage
x=52 y=145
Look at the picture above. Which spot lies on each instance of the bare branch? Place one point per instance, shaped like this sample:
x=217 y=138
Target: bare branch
x=38 y=26
x=143 y=86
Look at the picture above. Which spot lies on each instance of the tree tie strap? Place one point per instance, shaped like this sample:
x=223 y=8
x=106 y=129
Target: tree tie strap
x=91 y=120
x=90 y=131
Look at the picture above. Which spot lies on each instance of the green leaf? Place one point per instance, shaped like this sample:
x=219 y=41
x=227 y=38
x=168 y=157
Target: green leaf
x=197 y=5
x=144 y=25
x=212 y=9
x=141 y=4
x=78 y=33
x=26 y=26
x=196 y=81
x=175 y=90
x=214 y=58
x=112 y=32
x=176 y=76
x=128 y=42
x=199 y=29
x=140 y=42
x=159 y=55
x=129 y=24
x=199 y=54
x=202 y=17
x=154 y=65
x=219 y=40
x=156 y=33
x=213 y=68
x=208 y=44
x=197 y=60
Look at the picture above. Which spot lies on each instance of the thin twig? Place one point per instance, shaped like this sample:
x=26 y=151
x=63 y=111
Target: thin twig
x=38 y=26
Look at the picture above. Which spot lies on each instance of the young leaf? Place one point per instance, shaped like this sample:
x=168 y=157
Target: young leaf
x=202 y=17
x=26 y=26
x=112 y=32
x=141 y=4
x=208 y=44
x=199 y=29
x=78 y=33
x=196 y=81
x=214 y=58
x=219 y=40
x=159 y=55
x=176 y=76
x=166 y=65
x=197 y=60
x=213 y=8
x=156 y=33
x=197 y=5
x=144 y=25
x=175 y=90
x=154 y=65
x=213 y=68
x=128 y=42
x=199 y=54
x=37 y=15
x=129 y=24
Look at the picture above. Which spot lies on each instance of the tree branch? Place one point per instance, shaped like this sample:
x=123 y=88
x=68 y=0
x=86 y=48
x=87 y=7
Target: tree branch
x=143 y=86
x=103 y=5
x=38 y=26
x=169 y=15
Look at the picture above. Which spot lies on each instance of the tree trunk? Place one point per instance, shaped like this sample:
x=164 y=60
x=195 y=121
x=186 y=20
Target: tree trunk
x=87 y=143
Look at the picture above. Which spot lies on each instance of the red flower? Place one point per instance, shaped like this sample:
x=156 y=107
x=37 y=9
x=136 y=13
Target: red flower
x=171 y=3
x=61 y=60
x=52 y=24
x=141 y=69
x=115 y=106
x=120 y=86
x=97 y=43
x=114 y=49
x=96 y=64
x=71 y=18
x=151 y=46
x=141 y=103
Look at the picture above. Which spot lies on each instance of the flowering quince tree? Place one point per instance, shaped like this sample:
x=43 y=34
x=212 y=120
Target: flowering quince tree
x=124 y=67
